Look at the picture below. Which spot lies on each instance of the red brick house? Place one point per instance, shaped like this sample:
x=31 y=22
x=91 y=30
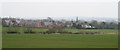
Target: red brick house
x=38 y=25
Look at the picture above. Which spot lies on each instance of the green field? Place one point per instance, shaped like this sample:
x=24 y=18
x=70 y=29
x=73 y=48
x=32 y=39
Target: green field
x=108 y=39
x=59 y=41
x=22 y=29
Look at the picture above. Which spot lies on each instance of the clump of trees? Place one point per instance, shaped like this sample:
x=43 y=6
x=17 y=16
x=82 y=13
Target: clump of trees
x=12 y=30
x=55 y=30
x=96 y=25
x=29 y=30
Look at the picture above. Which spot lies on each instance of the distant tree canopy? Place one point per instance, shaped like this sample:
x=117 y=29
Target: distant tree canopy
x=97 y=25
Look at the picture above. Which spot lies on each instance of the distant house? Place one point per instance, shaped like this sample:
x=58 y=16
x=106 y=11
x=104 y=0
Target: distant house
x=36 y=24
x=17 y=22
x=27 y=23
x=14 y=22
x=21 y=23
x=48 y=24
x=11 y=23
x=87 y=26
x=33 y=24
x=42 y=25
x=68 y=24
x=6 y=22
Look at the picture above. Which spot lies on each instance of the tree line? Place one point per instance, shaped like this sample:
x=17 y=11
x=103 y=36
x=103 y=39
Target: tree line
x=96 y=25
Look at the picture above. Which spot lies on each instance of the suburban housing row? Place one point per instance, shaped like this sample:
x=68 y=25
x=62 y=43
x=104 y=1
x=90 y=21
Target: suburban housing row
x=45 y=23
x=50 y=23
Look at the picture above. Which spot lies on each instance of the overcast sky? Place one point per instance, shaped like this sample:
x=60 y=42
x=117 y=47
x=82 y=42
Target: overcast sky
x=59 y=8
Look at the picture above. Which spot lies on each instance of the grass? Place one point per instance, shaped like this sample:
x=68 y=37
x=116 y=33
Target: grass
x=100 y=30
x=0 y=36
x=22 y=29
x=59 y=41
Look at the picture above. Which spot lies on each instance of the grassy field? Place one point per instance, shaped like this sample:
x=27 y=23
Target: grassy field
x=105 y=31
x=59 y=41
x=109 y=39
x=22 y=29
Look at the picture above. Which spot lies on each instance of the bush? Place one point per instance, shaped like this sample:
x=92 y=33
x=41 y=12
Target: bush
x=82 y=32
x=66 y=32
x=88 y=32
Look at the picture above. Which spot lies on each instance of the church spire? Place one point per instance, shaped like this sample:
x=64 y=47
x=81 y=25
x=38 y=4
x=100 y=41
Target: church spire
x=76 y=19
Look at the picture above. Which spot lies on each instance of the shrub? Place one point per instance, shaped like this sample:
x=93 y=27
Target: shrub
x=92 y=32
x=82 y=32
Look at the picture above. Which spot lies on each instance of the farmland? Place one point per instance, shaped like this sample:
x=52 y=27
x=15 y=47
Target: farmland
x=109 y=39
x=59 y=41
